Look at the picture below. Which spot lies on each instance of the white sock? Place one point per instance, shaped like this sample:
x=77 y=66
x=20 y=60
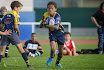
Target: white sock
x=56 y=52
x=36 y=54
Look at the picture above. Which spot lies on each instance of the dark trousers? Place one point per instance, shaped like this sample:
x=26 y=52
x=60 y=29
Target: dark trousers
x=101 y=39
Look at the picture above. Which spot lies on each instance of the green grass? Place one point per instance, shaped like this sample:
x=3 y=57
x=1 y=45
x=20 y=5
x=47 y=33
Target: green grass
x=81 y=62
x=45 y=37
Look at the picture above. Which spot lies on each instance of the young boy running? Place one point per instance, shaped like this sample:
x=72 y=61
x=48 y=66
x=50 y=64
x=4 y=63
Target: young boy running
x=11 y=21
x=55 y=36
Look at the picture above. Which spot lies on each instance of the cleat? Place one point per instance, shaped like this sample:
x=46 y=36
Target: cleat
x=59 y=65
x=30 y=67
x=49 y=61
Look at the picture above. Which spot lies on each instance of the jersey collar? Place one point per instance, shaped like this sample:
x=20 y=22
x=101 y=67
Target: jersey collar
x=15 y=13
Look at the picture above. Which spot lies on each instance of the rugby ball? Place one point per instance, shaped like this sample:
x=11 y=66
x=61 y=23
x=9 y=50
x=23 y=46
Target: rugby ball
x=50 y=21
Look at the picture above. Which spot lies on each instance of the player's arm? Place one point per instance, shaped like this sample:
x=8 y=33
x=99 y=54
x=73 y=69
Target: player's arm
x=6 y=32
x=17 y=29
x=65 y=47
x=25 y=47
x=68 y=51
x=42 y=23
x=74 y=49
x=52 y=26
x=16 y=23
x=94 y=20
x=57 y=23
x=94 y=17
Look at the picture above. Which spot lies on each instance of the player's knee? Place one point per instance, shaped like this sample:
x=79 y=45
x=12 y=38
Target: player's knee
x=41 y=51
x=52 y=51
x=26 y=50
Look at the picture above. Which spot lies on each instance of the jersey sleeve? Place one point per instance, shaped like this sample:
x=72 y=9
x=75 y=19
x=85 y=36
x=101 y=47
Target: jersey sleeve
x=17 y=20
x=25 y=45
x=95 y=15
x=38 y=44
x=44 y=18
x=58 y=20
x=73 y=44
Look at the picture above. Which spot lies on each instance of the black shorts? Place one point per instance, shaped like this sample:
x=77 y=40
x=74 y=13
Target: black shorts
x=59 y=40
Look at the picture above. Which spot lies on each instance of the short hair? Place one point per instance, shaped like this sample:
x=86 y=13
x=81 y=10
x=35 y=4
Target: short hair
x=15 y=4
x=68 y=33
x=52 y=3
x=3 y=8
x=101 y=6
x=33 y=34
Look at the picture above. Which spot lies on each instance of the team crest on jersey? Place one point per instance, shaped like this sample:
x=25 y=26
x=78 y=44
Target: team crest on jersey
x=8 y=20
x=18 y=19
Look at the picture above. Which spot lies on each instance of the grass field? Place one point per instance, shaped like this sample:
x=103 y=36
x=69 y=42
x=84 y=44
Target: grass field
x=81 y=62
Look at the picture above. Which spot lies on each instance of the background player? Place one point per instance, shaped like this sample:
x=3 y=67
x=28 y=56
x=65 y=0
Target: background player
x=31 y=46
x=11 y=21
x=69 y=46
x=3 y=11
x=56 y=35
x=98 y=19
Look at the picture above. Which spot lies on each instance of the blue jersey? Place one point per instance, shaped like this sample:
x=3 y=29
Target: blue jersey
x=9 y=20
x=60 y=31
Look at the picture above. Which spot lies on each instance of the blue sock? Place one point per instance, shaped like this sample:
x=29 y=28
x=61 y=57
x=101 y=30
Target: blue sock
x=24 y=55
x=0 y=58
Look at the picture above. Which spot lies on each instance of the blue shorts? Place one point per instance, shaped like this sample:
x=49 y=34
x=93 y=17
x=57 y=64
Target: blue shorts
x=13 y=39
x=60 y=40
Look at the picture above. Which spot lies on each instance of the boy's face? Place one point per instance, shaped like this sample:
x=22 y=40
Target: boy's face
x=33 y=37
x=18 y=10
x=67 y=37
x=51 y=9
x=3 y=12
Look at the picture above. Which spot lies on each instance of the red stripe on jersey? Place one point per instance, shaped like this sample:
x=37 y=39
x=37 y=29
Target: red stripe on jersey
x=103 y=12
x=18 y=19
x=43 y=18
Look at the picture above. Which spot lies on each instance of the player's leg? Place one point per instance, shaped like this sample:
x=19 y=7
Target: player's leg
x=38 y=53
x=74 y=52
x=4 y=43
x=53 y=48
x=26 y=50
x=2 y=49
x=60 y=42
x=60 y=48
x=52 y=54
x=6 y=51
x=64 y=52
x=100 y=43
x=24 y=55
x=16 y=41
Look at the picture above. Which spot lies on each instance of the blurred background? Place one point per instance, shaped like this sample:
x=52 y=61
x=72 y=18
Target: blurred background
x=77 y=12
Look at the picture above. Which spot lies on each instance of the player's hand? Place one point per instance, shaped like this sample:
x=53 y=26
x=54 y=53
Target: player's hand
x=44 y=23
x=8 y=32
x=99 y=26
x=18 y=33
